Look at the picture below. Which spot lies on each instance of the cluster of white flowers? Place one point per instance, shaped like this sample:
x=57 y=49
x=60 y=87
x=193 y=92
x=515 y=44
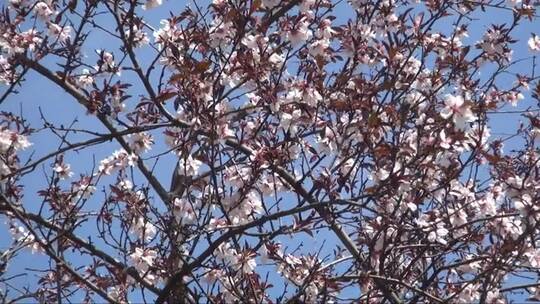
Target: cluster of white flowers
x=143 y=229
x=244 y=261
x=508 y=228
x=436 y=230
x=61 y=33
x=494 y=43
x=6 y=77
x=43 y=9
x=120 y=159
x=150 y=4
x=63 y=170
x=240 y=207
x=24 y=237
x=323 y=35
x=534 y=43
x=326 y=141
x=311 y=96
x=221 y=32
x=106 y=63
x=459 y=110
x=528 y=207
x=10 y=143
x=229 y=293
x=269 y=184
x=141 y=142
x=253 y=42
x=139 y=38
x=83 y=188
x=143 y=260
x=19 y=3
x=117 y=104
x=270 y=4
x=189 y=166
x=125 y=184
x=299 y=33
x=298 y=270
x=185 y=211
x=169 y=34
x=288 y=121
x=85 y=79
x=470 y=294
x=173 y=137
x=117 y=293
x=12 y=140
x=533 y=257
x=237 y=176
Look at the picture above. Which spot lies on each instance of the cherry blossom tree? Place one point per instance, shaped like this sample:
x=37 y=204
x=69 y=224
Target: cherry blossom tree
x=272 y=151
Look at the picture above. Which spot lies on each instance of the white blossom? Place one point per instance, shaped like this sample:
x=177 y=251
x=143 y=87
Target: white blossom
x=141 y=142
x=139 y=38
x=119 y=160
x=62 y=33
x=9 y=139
x=189 y=166
x=460 y=111
x=83 y=188
x=143 y=259
x=184 y=211
x=300 y=33
x=63 y=170
x=143 y=229
x=43 y=10
x=150 y=4
x=534 y=43
x=85 y=79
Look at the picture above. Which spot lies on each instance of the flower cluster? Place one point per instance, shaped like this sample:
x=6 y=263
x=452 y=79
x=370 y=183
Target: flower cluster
x=119 y=160
x=274 y=150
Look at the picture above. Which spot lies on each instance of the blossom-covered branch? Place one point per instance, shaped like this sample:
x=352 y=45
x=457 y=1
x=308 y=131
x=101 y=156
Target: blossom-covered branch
x=270 y=151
